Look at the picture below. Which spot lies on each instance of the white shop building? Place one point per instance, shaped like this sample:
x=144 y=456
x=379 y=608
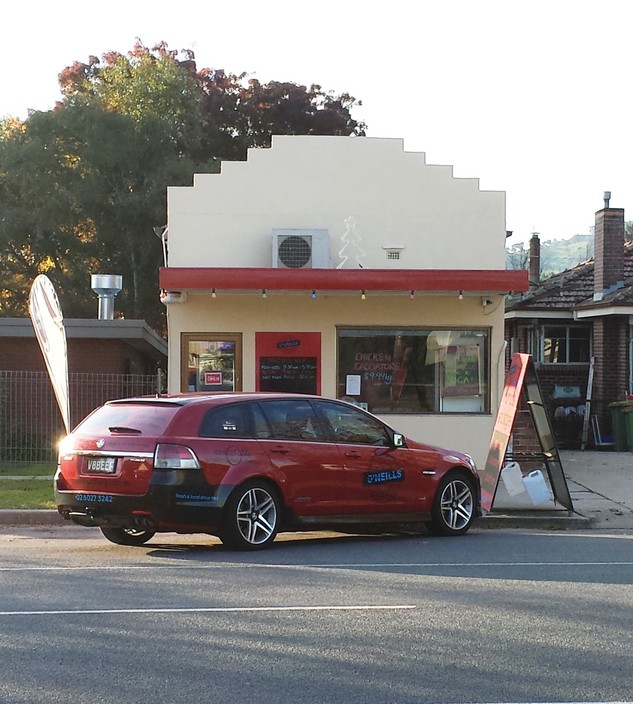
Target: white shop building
x=346 y=267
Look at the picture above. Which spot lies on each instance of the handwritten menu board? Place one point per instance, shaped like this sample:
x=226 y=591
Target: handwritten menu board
x=288 y=374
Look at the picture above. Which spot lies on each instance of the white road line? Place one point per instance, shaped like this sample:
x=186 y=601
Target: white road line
x=476 y=564
x=212 y=609
x=333 y=565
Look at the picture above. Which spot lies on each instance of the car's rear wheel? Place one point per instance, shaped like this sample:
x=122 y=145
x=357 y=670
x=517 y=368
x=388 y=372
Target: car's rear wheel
x=454 y=505
x=127 y=536
x=251 y=517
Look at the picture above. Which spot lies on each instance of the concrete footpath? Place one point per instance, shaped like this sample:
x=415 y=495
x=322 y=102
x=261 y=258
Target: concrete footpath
x=600 y=485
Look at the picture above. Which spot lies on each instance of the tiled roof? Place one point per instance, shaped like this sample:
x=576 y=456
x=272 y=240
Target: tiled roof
x=573 y=288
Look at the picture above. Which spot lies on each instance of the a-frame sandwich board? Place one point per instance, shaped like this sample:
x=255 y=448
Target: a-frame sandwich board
x=522 y=381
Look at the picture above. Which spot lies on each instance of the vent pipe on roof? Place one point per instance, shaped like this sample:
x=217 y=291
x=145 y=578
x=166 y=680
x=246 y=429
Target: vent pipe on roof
x=106 y=286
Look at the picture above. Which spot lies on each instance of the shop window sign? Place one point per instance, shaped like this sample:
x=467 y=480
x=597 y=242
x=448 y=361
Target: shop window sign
x=415 y=370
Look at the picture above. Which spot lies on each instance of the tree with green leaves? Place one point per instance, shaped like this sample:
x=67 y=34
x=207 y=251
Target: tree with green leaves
x=81 y=188
x=214 y=115
x=82 y=185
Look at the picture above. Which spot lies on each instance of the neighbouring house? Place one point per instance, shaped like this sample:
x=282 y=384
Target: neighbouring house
x=107 y=358
x=94 y=346
x=578 y=327
x=346 y=267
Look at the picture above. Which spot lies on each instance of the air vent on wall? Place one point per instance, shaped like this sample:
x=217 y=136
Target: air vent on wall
x=301 y=249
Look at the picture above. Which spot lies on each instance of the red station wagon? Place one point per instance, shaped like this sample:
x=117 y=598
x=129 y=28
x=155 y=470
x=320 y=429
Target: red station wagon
x=245 y=466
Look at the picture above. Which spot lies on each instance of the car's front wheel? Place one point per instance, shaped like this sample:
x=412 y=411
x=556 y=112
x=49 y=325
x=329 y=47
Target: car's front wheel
x=127 y=536
x=251 y=517
x=454 y=506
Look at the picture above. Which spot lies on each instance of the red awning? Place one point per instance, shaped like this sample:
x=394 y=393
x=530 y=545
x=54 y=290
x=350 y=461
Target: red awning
x=375 y=280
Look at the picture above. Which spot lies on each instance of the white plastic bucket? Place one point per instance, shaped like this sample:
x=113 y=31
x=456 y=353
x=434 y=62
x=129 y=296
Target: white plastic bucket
x=512 y=478
x=536 y=487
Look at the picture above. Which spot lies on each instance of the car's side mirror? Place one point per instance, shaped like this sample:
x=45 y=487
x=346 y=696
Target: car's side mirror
x=398 y=440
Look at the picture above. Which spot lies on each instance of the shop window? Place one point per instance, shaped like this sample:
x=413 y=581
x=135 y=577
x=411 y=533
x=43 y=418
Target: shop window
x=211 y=362
x=415 y=370
x=565 y=344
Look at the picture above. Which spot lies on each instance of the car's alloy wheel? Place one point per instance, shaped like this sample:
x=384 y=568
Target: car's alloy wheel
x=453 y=506
x=251 y=519
x=127 y=536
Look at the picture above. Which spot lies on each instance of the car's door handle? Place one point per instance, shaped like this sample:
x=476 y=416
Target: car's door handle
x=280 y=449
x=352 y=453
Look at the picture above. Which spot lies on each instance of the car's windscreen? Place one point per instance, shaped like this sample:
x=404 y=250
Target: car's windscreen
x=132 y=419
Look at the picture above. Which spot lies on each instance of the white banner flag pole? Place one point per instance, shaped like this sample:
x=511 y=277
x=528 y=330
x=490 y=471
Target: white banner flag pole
x=48 y=322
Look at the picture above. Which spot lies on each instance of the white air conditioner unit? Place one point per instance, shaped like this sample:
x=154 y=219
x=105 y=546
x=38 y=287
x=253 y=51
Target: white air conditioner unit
x=301 y=249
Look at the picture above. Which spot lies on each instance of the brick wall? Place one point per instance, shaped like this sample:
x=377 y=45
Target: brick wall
x=608 y=248
x=610 y=347
x=84 y=356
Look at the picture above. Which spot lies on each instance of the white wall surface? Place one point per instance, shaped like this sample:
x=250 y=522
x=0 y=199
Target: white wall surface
x=394 y=196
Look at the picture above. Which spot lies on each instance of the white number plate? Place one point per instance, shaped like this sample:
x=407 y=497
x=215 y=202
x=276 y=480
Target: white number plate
x=101 y=465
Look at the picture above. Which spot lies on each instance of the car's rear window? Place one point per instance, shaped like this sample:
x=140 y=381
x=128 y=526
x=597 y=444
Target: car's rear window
x=131 y=418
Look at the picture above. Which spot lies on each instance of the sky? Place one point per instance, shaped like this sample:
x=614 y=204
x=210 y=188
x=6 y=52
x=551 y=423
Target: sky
x=530 y=97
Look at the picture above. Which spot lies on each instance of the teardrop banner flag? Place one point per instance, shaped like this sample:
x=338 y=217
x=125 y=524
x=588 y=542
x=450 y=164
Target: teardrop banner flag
x=48 y=322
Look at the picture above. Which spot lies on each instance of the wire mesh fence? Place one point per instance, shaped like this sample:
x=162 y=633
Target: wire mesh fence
x=30 y=422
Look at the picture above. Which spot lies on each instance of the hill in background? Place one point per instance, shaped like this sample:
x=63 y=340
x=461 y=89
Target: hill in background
x=556 y=255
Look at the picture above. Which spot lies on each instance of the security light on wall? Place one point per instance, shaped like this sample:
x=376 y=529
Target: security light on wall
x=168 y=297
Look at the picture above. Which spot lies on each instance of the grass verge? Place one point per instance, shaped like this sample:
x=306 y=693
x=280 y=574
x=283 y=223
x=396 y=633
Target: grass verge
x=27 y=469
x=26 y=493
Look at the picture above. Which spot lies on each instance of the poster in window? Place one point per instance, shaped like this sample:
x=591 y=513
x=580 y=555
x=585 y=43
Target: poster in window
x=462 y=370
x=288 y=362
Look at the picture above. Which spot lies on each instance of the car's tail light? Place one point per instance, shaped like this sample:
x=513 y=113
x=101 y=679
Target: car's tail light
x=65 y=449
x=175 y=457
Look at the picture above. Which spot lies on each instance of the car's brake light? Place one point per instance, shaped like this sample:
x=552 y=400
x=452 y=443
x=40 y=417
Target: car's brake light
x=175 y=457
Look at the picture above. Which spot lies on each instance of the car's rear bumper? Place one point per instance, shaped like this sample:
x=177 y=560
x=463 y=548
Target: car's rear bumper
x=175 y=500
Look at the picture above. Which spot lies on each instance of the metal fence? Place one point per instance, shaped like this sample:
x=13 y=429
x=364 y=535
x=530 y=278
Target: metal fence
x=30 y=422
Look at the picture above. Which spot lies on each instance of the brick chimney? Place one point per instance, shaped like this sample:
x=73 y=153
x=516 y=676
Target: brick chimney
x=608 y=272
x=535 y=261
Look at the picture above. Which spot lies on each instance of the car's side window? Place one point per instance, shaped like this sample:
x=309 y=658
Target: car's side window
x=292 y=420
x=231 y=421
x=350 y=425
x=261 y=425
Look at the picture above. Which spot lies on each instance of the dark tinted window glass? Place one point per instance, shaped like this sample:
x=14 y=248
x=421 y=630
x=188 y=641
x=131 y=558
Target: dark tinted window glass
x=566 y=343
x=262 y=429
x=292 y=420
x=555 y=344
x=146 y=418
x=352 y=426
x=579 y=344
x=230 y=421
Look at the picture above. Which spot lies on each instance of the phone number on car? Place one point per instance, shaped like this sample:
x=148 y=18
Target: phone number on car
x=94 y=498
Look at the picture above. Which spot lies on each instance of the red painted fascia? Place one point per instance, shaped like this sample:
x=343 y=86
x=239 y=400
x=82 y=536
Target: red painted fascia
x=252 y=279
